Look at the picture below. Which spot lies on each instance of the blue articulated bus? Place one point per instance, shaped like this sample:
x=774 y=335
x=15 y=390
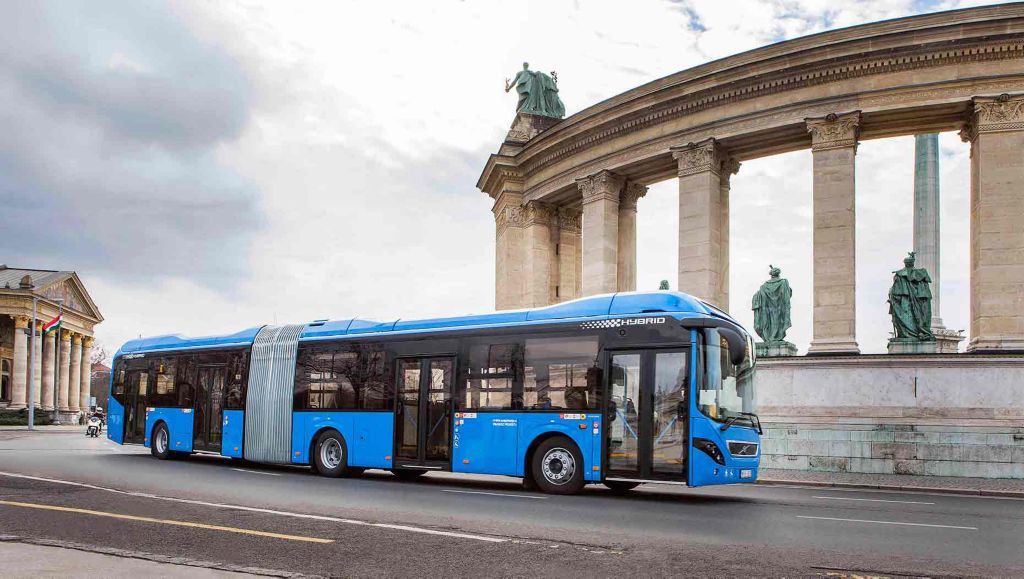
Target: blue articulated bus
x=619 y=389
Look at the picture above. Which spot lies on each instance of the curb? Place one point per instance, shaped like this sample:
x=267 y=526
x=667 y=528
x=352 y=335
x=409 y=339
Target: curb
x=893 y=487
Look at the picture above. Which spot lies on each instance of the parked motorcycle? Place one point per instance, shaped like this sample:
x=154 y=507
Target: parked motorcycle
x=93 y=426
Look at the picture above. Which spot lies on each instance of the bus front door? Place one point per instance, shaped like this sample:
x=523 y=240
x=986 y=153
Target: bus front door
x=135 y=396
x=423 y=412
x=209 y=408
x=646 y=415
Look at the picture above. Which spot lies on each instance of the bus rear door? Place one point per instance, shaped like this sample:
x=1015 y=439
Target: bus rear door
x=423 y=412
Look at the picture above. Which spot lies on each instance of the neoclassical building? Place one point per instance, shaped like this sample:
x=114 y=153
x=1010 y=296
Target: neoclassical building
x=565 y=192
x=61 y=377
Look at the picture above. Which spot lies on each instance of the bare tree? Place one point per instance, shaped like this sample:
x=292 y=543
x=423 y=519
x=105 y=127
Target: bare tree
x=99 y=354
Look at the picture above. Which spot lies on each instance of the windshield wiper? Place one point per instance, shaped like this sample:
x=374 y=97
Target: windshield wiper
x=750 y=417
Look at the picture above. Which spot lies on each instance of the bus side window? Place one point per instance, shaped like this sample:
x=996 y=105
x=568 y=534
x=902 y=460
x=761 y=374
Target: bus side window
x=118 y=387
x=235 y=398
x=561 y=374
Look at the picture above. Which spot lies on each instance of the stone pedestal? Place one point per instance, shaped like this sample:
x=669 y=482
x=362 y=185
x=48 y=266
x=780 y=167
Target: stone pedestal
x=947 y=341
x=897 y=346
x=527 y=126
x=774 y=349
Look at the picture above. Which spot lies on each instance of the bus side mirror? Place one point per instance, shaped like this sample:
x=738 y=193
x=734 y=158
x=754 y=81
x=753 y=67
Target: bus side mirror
x=737 y=345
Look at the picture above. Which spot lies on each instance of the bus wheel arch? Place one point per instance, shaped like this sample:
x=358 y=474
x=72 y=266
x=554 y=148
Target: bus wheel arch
x=563 y=453
x=328 y=454
x=160 y=441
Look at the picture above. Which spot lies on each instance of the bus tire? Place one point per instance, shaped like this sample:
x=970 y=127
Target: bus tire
x=408 y=474
x=160 y=442
x=330 y=455
x=620 y=486
x=557 y=466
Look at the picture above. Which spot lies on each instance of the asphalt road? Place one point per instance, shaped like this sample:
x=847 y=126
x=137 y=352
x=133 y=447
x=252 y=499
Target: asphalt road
x=65 y=489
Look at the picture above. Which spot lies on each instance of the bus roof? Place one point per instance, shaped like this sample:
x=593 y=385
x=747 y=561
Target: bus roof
x=607 y=305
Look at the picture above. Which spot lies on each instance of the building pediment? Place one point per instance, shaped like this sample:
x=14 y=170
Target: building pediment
x=73 y=292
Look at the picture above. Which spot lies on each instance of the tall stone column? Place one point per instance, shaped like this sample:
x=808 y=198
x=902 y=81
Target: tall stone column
x=700 y=221
x=570 y=254
x=75 y=373
x=86 y=373
x=834 y=149
x=37 y=369
x=996 y=134
x=63 y=368
x=626 y=266
x=730 y=167
x=600 y=231
x=540 y=220
x=19 y=371
x=510 y=250
x=926 y=215
x=49 y=347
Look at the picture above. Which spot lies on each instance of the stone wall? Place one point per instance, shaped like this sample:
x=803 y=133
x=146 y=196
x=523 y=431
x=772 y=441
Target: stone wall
x=942 y=415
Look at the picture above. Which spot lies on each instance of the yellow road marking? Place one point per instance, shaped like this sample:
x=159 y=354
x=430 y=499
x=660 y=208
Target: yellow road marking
x=167 y=522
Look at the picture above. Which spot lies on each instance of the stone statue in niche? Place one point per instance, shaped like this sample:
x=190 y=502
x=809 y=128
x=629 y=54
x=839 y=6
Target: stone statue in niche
x=771 y=305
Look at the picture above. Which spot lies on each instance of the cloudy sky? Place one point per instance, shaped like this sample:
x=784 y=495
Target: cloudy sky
x=207 y=166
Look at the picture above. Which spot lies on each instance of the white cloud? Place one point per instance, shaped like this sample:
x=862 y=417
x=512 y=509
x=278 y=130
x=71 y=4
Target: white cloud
x=371 y=121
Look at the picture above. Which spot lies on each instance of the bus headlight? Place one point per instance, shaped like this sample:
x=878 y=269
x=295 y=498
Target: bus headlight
x=709 y=448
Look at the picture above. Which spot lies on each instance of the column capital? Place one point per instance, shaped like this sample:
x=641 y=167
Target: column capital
x=631 y=193
x=601 y=185
x=834 y=131
x=693 y=158
x=65 y=335
x=21 y=322
x=88 y=341
x=539 y=213
x=76 y=339
x=570 y=219
x=730 y=166
x=994 y=114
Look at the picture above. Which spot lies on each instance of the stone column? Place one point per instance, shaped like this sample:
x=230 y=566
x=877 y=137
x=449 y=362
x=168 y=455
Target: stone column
x=63 y=368
x=510 y=250
x=700 y=220
x=37 y=370
x=996 y=134
x=600 y=231
x=626 y=266
x=834 y=148
x=75 y=373
x=86 y=372
x=926 y=214
x=49 y=347
x=570 y=254
x=539 y=221
x=19 y=371
x=730 y=167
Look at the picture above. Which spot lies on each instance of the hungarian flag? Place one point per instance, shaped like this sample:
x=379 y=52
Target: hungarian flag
x=53 y=324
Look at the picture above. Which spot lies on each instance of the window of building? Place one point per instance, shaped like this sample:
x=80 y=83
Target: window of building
x=491 y=377
x=5 y=380
x=562 y=373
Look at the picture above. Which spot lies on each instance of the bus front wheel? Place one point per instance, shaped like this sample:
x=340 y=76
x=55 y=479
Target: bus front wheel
x=330 y=455
x=558 y=466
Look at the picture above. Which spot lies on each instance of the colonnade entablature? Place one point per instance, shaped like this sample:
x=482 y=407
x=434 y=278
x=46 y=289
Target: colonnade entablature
x=565 y=195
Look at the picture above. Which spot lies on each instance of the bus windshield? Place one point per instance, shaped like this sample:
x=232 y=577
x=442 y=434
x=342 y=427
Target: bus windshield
x=727 y=391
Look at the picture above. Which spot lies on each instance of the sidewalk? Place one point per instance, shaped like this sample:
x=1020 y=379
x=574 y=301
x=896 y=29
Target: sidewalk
x=33 y=559
x=937 y=484
x=46 y=428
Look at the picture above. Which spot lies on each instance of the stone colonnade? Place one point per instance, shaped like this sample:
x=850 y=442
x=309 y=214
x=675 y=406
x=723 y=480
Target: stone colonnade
x=72 y=361
x=550 y=253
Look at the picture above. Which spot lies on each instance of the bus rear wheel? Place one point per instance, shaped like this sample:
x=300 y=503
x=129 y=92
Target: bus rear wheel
x=330 y=455
x=558 y=466
x=160 y=443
